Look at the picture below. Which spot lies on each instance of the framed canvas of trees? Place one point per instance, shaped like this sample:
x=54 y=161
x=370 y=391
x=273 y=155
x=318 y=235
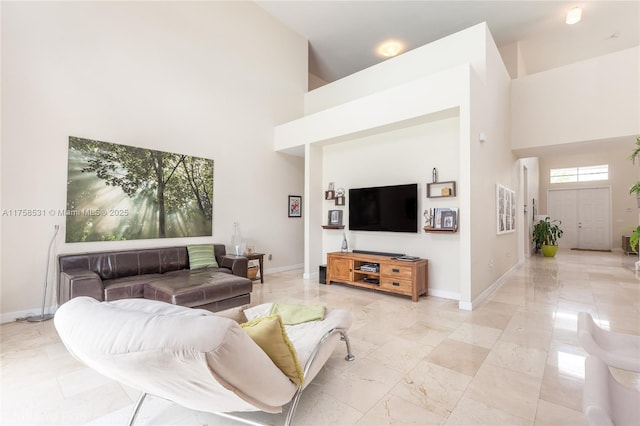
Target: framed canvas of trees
x=121 y=192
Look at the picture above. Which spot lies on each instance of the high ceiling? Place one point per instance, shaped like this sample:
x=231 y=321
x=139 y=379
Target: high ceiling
x=343 y=35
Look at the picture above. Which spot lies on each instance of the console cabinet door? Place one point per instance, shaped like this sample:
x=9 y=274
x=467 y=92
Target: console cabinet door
x=340 y=269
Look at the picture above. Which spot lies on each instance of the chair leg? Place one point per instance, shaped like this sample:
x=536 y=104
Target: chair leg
x=296 y=398
x=294 y=405
x=344 y=336
x=136 y=409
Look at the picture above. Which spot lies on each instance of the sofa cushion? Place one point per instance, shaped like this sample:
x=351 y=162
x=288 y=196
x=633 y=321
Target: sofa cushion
x=268 y=333
x=197 y=287
x=201 y=256
x=127 y=287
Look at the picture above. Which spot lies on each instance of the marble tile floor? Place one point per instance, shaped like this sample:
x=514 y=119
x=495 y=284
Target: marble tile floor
x=515 y=360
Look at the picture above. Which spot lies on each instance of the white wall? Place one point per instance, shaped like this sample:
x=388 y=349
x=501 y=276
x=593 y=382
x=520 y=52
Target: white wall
x=489 y=163
x=528 y=170
x=594 y=99
x=206 y=79
x=401 y=95
x=463 y=47
x=428 y=99
x=403 y=156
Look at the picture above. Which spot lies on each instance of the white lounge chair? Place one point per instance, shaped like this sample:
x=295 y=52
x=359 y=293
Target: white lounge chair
x=614 y=349
x=193 y=357
x=607 y=402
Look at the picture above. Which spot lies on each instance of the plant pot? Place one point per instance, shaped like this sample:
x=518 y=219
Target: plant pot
x=549 y=251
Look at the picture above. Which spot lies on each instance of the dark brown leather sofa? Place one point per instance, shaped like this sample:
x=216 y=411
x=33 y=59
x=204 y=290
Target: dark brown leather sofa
x=158 y=274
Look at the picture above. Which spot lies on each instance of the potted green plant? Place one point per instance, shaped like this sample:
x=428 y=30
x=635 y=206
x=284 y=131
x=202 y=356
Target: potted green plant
x=546 y=234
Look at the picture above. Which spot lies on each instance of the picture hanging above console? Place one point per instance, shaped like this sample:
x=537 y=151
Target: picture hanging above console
x=441 y=189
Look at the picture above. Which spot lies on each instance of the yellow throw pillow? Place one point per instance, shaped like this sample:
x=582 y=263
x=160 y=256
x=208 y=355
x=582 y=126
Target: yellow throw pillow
x=269 y=333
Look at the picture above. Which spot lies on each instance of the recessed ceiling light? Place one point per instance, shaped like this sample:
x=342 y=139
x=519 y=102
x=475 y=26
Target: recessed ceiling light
x=390 y=48
x=574 y=16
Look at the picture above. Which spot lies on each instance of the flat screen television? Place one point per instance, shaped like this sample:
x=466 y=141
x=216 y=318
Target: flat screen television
x=384 y=208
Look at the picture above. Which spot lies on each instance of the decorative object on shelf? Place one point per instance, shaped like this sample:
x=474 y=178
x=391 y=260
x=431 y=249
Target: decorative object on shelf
x=434 y=175
x=238 y=245
x=43 y=316
x=441 y=189
x=295 y=206
x=441 y=219
x=329 y=194
x=335 y=218
x=427 y=218
x=339 y=200
x=345 y=246
x=506 y=208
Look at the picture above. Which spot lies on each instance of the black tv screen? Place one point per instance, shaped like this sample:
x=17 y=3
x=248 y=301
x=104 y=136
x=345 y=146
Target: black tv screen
x=384 y=208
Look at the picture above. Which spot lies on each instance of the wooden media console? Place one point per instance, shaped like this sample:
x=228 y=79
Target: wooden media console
x=409 y=278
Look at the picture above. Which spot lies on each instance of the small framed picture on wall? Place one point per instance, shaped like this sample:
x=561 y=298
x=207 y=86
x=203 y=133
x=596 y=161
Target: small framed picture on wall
x=295 y=206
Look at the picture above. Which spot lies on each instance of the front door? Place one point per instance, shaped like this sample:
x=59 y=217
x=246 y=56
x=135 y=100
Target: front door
x=585 y=215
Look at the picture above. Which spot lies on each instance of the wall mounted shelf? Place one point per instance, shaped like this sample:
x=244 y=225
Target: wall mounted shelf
x=332 y=226
x=435 y=230
x=441 y=189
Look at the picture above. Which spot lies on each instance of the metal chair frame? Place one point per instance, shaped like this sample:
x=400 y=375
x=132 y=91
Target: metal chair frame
x=296 y=397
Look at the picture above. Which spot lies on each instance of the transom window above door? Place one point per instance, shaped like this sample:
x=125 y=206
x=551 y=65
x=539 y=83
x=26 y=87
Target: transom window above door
x=579 y=174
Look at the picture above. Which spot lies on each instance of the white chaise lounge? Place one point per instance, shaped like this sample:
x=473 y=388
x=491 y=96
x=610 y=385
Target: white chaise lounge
x=193 y=357
x=605 y=400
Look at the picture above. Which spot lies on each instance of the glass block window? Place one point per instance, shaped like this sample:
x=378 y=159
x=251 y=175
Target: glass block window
x=579 y=174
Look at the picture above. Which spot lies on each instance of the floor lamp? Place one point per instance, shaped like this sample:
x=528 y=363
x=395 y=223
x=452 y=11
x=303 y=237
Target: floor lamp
x=42 y=316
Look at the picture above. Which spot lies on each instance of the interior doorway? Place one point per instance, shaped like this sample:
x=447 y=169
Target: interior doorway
x=526 y=209
x=585 y=215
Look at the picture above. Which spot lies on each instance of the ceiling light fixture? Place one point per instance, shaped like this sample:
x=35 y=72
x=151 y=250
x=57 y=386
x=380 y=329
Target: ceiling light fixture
x=390 y=48
x=574 y=16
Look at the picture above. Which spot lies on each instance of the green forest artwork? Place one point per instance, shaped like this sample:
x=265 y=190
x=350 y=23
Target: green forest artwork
x=120 y=192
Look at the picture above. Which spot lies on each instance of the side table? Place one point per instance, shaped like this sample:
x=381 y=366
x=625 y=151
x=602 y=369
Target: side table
x=260 y=257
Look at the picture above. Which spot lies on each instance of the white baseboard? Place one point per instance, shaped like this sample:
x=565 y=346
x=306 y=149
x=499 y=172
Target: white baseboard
x=283 y=269
x=19 y=315
x=444 y=294
x=470 y=306
x=311 y=275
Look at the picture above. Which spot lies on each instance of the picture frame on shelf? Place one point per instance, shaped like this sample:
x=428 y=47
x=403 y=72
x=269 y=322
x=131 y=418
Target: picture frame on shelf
x=334 y=218
x=449 y=220
x=295 y=206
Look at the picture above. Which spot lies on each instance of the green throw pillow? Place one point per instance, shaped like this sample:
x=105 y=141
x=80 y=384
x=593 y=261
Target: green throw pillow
x=201 y=256
x=270 y=335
